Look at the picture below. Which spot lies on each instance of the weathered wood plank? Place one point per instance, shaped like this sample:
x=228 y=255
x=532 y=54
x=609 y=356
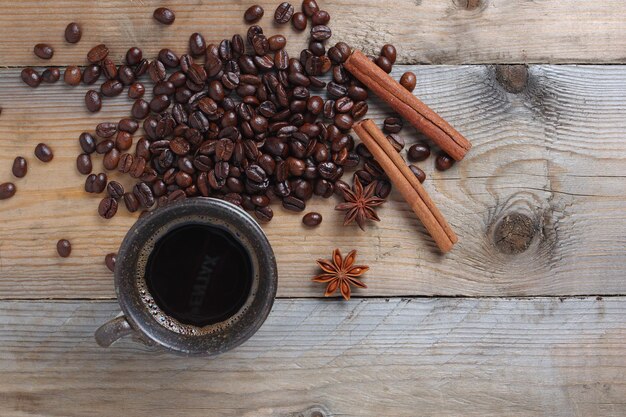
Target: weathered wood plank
x=554 y=153
x=435 y=357
x=439 y=32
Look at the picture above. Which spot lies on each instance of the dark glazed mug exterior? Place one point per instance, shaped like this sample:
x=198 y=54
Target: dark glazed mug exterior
x=146 y=320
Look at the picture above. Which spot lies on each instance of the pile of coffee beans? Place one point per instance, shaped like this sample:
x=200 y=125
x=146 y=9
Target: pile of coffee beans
x=240 y=120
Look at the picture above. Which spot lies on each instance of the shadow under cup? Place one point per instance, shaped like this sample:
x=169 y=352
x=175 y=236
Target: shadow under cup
x=195 y=277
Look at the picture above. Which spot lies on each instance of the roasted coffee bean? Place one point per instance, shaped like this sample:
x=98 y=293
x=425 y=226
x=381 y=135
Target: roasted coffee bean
x=298 y=20
x=359 y=110
x=31 y=77
x=418 y=152
x=159 y=103
x=126 y=75
x=336 y=90
x=277 y=42
x=51 y=75
x=309 y=7
x=344 y=105
x=443 y=162
x=83 y=164
x=106 y=129
x=392 y=125
x=255 y=173
x=329 y=109
x=144 y=194
x=73 y=33
x=125 y=163
x=134 y=56
x=97 y=53
x=283 y=13
x=131 y=202
x=321 y=17
x=164 y=15
x=343 y=121
x=91 y=73
x=140 y=109
x=327 y=170
x=293 y=203
x=7 y=190
x=197 y=44
x=136 y=90
x=323 y=188
x=115 y=190
x=317 y=49
x=111 y=88
x=64 y=248
x=320 y=33
x=260 y=44
x=419 y=174
x=408 y=81
x=111 y=159
x=93 y=101
x=104 y=146
x=389 y=52
x=312 y=219
x=156 y=71
x=253 y=14
x=168 y=58
x=109 y=69
x=43 y=152
x=238 y=46
x=72 y=75
x=357 y=93
x=107 y=207
x=128 y=125
x=383 y=189
x=335 y=55
x=396 y=141
x=20 y=167
x=87 y=143
x=142 y=68
x=344 y=48
x=96 y=183
x=109 y=261
x=264 y=214
x=384 y=64
x=43 y=51
x=216 y=91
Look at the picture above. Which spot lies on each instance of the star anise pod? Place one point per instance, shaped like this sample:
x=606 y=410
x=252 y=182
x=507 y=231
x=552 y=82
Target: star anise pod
x=359 y=203
x=340 y=273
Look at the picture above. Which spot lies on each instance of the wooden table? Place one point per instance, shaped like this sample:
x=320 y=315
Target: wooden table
x=526 y=316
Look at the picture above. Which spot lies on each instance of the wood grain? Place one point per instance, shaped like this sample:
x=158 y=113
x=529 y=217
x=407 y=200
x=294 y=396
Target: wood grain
x=398 y=357
x=437 y=32
x=553 y=155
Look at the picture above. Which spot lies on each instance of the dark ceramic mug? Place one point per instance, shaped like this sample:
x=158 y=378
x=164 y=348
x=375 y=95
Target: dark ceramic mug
x=196 y=277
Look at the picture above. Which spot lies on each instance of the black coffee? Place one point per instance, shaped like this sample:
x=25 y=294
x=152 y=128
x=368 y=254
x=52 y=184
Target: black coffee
x=199 y=274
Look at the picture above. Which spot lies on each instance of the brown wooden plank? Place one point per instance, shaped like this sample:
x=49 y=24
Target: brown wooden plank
x=435 y=357
x=553 y=153
x=439 y=32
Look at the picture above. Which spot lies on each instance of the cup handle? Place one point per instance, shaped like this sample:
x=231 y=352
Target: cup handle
x=112 y=330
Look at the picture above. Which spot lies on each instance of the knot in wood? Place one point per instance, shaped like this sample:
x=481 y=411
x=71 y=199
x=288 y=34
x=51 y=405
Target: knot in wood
x=513 y=78
x=468 y=4
x=514 y=233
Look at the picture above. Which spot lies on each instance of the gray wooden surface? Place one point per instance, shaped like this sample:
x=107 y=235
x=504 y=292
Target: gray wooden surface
x=538 y=205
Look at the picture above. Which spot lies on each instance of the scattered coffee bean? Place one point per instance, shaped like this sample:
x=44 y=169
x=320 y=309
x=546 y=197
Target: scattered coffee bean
x=64 y=248
x=43 y=51
x=97 y=53
x=253 y=14
x=72 y=75
x=389 y=52
x=87 y=142
x=164 y=15
x=384 y=63
x=109 y=261
x=111 y=159
x=418 y=152
x=197 y=44
x=144 y=194
x=131 y=202
x=73 y=33
x=408 y=81
x=7 y=190
x=107 y=207
x=43 y=152
x=51 y=75
x=83 y=164
x=309 y=7
x=320 y=33
x=136 y=90
x=383 y=188
x=312 y=219
x=277 y=42
x=443 y=162
x=134 y=56
x=96 y=183
x=283 y=13
x=115 y=190
x=31 y=77
x=396 y=141
x=421 y=175
x=392 y=125
x=91 y=74
x=321 y=17
x=20 y=167
x=93 y=101
x=298 y=20
x=106 y=130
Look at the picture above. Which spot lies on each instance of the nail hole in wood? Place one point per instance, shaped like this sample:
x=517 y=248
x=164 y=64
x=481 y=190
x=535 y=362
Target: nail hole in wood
x=514 y=233
x=513 y=78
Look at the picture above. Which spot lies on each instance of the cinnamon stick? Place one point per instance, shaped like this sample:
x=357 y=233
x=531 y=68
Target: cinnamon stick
x=407 y=184
x=410 y=107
